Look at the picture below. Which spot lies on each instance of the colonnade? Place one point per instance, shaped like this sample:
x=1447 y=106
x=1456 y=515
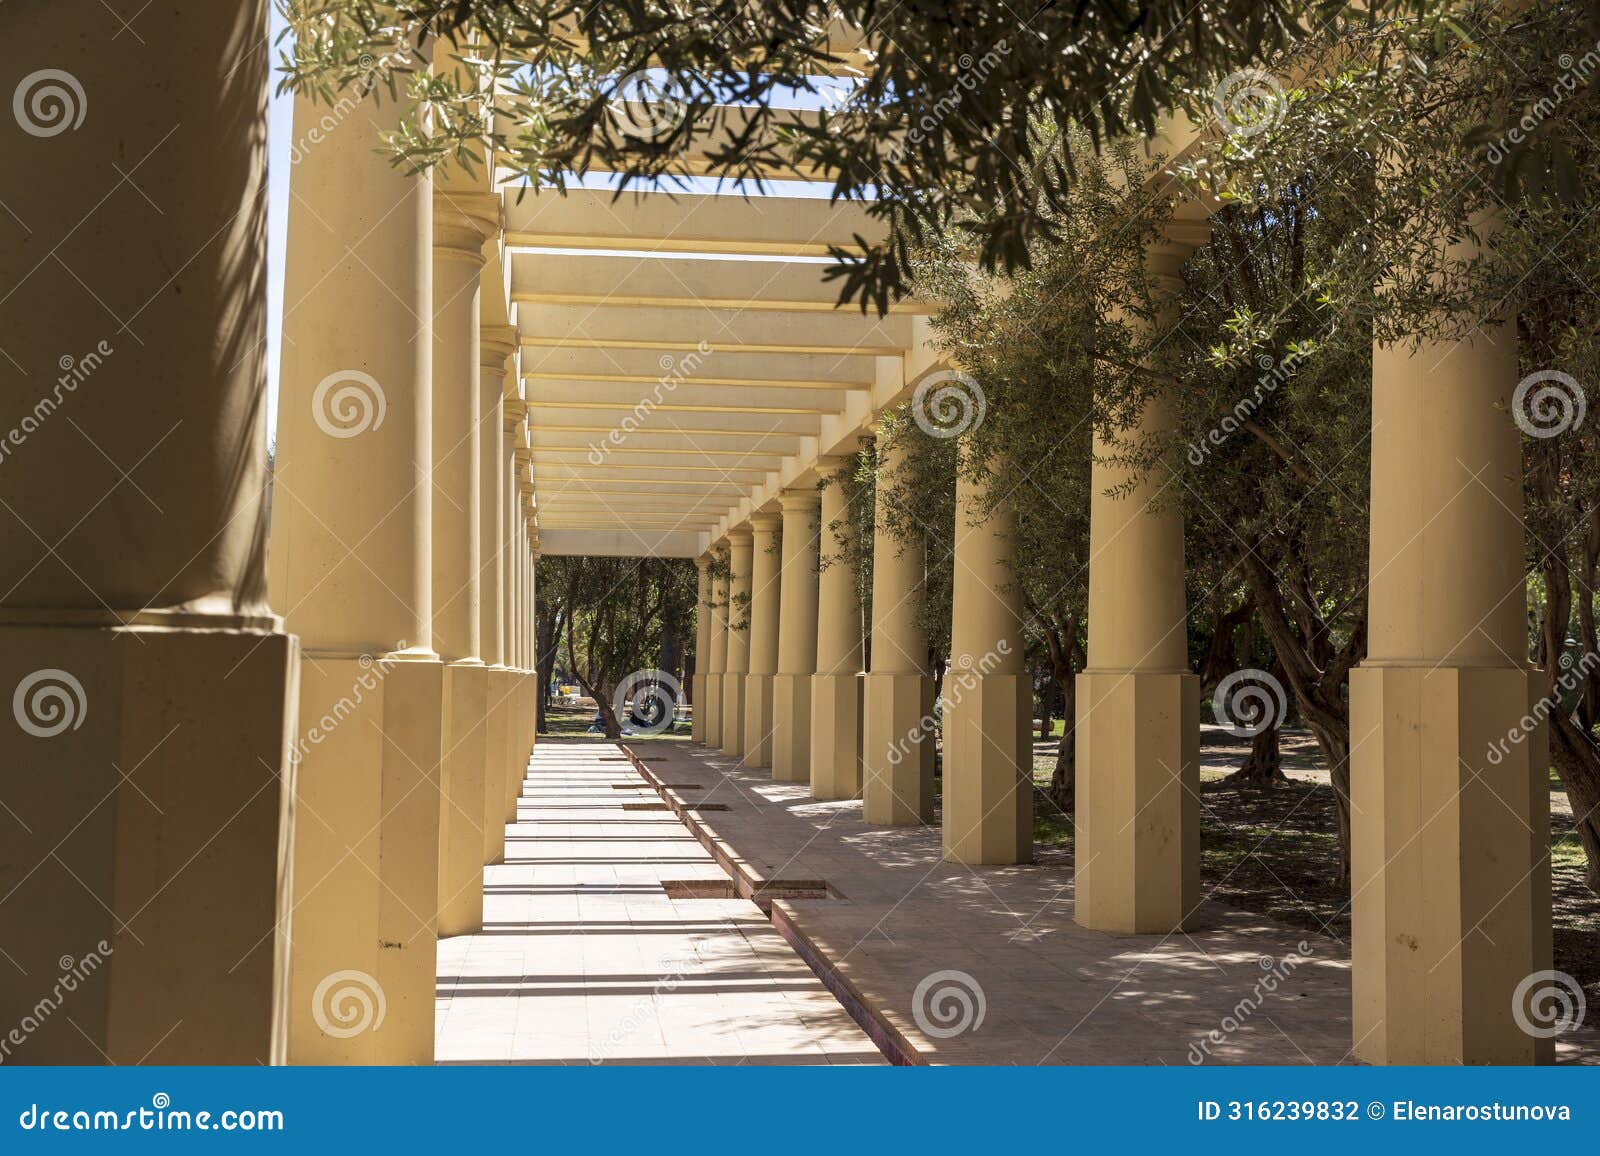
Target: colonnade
x=786 y=583
x=1451 y=889
x=250 y=794
x=248 y=790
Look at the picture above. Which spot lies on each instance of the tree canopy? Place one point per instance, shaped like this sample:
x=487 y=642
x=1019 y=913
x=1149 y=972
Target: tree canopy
x=940 y=116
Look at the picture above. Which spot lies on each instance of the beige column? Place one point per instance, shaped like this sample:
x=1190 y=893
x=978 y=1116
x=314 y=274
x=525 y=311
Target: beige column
x=702 y=646
x=988 y=694
x=149 y=722
x=765 y=593
x=716 y=670
x=1450 y=790
x=498 y=346
x=351 y=564
x=515 y=441
x=897 y=742
x=525 y=687
x=522 y=723
x=741 y=549
x=462 y=221
x=797 y=638
x=837 y=687
x=531 y=680
x=1138 y=726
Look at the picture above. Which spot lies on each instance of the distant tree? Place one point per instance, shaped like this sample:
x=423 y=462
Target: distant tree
x=616 y=608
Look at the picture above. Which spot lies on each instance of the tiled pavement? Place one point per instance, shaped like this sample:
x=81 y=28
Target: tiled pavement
x=1050 y=991
x=584 y=958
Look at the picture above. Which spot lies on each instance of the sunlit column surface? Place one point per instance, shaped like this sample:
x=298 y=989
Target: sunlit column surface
x=531 y=680
x=1450 y=889
x=1138 y=728
x=740 y=551
x=765 y=591
x=497 y=346
x=351 y=564
x=462 y=221
x=717 y=666
x=987 y=691
x=836 y=688
x=797 y=638
x=897 y=745
x=702 y=645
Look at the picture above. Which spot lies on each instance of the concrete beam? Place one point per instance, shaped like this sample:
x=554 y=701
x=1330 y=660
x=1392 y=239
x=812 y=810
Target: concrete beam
x=566 y=543
x=626 y=279
x=720 y=365
x=683 y=222
x=687 y=327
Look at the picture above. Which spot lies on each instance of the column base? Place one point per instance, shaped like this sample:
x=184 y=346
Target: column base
x=758 y=720
x=791 y=728
x=1450 y=871
x=525 y=739
x=713 y=710
x=836 y=735
x=1137 y=853
x=697 y=692
x=897 y=749
x=988 y=768
x=505 y=778
x=463 y=793
x=362 y=963
x=733 y=706
x=146 y=826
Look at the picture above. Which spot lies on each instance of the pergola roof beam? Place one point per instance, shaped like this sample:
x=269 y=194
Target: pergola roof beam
x=687 y=327
x=684 y=222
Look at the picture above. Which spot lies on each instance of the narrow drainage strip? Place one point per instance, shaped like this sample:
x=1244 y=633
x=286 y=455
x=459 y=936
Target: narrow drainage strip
x=668 y=807
x=895 y=1048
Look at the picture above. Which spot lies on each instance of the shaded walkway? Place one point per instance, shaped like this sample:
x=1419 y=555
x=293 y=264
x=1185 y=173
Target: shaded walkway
x=918 y=944
x=585 y=958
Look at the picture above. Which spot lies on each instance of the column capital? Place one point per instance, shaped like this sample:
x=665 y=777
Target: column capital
x=516 y=410
x=740 y=536
x=800 y=498
x=463 y=223
x=1181 y=237
x=497 y=342
x=766 y=523
x=703 y=563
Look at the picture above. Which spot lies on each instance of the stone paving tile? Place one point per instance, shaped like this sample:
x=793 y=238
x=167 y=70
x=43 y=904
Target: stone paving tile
x=1051 y=992
x=584 y=958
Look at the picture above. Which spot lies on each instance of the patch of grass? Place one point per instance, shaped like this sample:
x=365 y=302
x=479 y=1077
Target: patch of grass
x=574 y=722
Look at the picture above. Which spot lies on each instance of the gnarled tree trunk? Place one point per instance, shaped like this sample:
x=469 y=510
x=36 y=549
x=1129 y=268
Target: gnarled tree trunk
x=1317 y=675
x=1263 y=765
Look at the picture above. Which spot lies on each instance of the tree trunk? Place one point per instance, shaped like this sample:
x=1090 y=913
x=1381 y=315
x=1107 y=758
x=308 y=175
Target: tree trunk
x=1577 y=761
x=1222 y=657
x=1318 y=687
x=1572 y=751
x=1589 y=703
x=547 y=636
x=1263 y=765
x=1333 y=738
x=1064 y=779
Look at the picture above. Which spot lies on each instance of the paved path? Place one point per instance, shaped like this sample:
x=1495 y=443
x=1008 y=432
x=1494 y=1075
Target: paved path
x=585 y=958
x=918 y=945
